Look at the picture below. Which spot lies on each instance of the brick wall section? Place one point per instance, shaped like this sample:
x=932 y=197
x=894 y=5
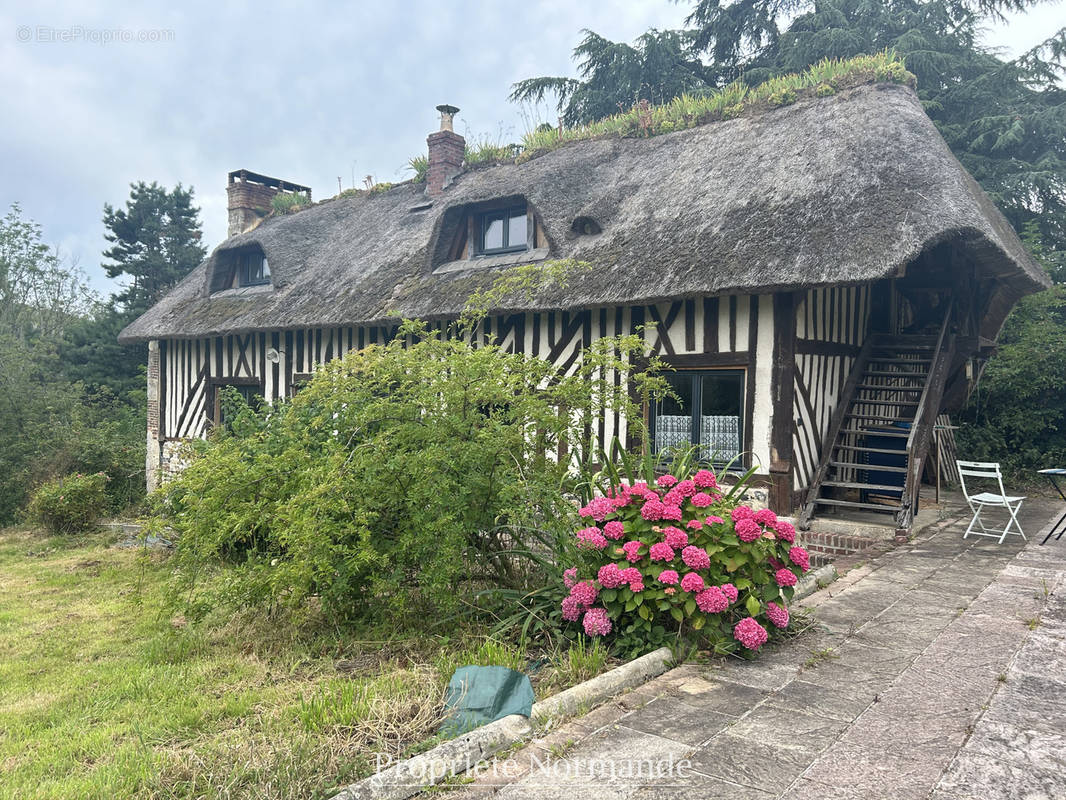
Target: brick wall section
x=151 y=460
x=447 y=150
x=825 y=548
x=247 y=203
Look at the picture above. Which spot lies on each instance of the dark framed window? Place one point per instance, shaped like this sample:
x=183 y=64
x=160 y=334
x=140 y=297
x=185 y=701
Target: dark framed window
x=503 y=231
x=708 y=413
x=250 y=391
x=252 y=269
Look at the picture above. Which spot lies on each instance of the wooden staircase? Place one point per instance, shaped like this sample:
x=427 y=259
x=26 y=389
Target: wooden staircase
x=880 y=433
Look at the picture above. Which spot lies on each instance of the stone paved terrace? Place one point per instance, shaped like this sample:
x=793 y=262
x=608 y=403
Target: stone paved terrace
x=936 y=671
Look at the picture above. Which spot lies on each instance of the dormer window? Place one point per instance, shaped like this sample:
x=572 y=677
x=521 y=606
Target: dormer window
x=252 y=269
x=503 y=231
x=237 y=269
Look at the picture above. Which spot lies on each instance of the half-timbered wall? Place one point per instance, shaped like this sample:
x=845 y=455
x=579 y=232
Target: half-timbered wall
x=831 y=325
x=703 y=332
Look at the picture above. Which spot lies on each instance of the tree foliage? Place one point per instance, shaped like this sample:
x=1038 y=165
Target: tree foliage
x=614 y=75
x=155 y=242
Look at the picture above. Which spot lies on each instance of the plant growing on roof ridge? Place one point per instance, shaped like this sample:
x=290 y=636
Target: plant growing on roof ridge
x=679 y=556
x=288 y=202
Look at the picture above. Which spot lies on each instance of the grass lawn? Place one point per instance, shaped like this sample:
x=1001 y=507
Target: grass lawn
x=106 y=693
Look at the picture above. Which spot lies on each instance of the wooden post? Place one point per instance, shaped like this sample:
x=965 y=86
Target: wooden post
x=782 y=388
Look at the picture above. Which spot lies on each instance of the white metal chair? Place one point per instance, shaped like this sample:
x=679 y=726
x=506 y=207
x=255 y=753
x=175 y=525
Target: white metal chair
x=989 y=471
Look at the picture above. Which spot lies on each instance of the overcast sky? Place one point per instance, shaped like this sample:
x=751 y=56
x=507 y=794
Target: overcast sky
x=305 y=91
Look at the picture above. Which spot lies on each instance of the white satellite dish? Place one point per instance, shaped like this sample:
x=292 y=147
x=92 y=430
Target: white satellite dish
x=273 y=356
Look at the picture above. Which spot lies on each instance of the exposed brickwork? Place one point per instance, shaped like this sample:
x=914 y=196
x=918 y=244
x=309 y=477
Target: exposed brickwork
x=827 y=548
x=447 y=150
x=151 y=461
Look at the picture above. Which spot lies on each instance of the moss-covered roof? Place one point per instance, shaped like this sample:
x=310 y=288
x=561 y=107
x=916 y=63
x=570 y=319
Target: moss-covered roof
x=842 y=188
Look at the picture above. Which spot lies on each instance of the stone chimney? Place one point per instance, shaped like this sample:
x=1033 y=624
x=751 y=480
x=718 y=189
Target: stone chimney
x=250 y=196
x=447 y=149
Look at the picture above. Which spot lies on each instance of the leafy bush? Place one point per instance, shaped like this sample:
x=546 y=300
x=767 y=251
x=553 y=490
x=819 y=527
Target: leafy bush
x=680 y=558
x=401 y=479
x=70 y=504
x=1017 y=415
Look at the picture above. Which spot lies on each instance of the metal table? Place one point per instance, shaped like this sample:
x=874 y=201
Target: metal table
x=1058 y=480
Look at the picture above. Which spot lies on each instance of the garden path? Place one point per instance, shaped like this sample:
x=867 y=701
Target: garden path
x=936 y=671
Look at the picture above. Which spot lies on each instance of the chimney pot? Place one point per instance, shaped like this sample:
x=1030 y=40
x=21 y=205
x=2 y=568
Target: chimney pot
x=447 y=149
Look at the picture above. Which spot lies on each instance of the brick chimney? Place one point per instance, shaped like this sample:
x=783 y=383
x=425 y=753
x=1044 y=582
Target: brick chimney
x=447 y=149
x=250 y=195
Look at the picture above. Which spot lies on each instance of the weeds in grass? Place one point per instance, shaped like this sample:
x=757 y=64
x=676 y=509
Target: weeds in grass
x=1032 y=623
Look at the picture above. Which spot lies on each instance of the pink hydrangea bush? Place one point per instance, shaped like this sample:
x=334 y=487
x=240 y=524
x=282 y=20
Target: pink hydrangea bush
x=678 y=555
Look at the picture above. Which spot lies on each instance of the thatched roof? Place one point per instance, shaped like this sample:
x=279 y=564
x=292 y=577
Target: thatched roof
x=842 y=189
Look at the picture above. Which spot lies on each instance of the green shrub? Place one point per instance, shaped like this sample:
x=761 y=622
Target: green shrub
x=401 y=480
x=71 y=504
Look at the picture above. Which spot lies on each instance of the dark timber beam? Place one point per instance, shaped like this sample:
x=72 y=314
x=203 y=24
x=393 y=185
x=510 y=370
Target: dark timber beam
x=782 y=388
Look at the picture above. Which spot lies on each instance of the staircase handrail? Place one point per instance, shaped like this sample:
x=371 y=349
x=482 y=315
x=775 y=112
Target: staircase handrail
x=925 y=418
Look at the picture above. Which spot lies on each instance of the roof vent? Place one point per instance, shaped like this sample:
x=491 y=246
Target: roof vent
x=586 y=226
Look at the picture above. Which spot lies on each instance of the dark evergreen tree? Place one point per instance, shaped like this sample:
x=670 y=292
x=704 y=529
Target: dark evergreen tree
x=155 y=242
x=615 y=75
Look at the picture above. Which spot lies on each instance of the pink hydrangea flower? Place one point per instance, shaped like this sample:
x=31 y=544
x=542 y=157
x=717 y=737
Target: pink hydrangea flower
x=714 y=520
x=702 y=500
x=672 y=513
x=712 y=600
x=784 y=577
x=569 y=577
x=742 y=512
x=632 y=551
x=652 y=509
x=675 y=537
x=591 y=537
x=694 y=524
x=750 y=633
x=778 y=615
x=620 y=501
x=641 y=489
x=584 y=593
x=614 y=530
x=692 y=582
x=730 y=591
x=765 y=516
x=666 y=481
x=571 y=609
x=661 y=551
x=800 y=557
x=673 y=498
x=634 y=578
x=596 y=622
x=598 y=508
x=687 y=488
x=610 y=576
x=785 y=531
x=695 y=557
x=748 y=529
x=668 y=577
x=705 y=479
